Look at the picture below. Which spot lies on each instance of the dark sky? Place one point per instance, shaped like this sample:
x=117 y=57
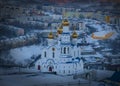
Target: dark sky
x=53 y=1
x=38 y=1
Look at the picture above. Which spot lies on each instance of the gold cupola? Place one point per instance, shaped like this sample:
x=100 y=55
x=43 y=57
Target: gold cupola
x=60 y=30
x=50 y=36
x=65 y=22
x=74 y=35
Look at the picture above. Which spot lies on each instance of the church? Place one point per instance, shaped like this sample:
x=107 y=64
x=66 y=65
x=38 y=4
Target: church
x=62 y=55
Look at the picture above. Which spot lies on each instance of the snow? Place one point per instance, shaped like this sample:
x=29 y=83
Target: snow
x=88 y=48
x=13 y=70
x=106 y=49
x=23 y=53
x=101 y=33
x=102 y=74
x=90 y=59
x=89 y=39
x=40 y=79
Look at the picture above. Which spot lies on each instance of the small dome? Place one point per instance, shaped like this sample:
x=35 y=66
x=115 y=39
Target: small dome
x=50 y=36
x=74 y=35
x=60 y=30
x=65 y=22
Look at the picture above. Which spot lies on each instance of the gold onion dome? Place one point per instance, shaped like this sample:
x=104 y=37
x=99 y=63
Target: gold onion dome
x=50 y=36
x=74 y=35
x=65 y=22
x=60 y=30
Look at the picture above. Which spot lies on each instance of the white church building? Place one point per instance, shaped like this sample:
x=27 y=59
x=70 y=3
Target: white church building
x=62 y=54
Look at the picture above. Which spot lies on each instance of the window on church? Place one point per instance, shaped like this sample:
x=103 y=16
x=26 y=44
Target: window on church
x=45 y=54
x=78 y=53
x=61 y=50
x=68 y=49
x=64 y=50
x=74 y=53
x=56 y=67
x=53 y=49
x=63 y=71
x=80 y=65
x=69 y=71
x=53 y=55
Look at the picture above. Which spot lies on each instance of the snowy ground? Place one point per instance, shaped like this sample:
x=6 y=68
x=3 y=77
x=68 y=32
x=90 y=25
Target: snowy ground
x=31 y=77
x=6 y=71
x=42 y=80
x=103 y=74
x=20 y=54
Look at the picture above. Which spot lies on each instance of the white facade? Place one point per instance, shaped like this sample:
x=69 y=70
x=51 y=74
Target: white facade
x=63 y=58
x=81 y=26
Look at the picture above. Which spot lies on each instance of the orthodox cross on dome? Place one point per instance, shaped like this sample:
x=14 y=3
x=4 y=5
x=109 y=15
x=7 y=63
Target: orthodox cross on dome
x=50 y=36
x=60 y=29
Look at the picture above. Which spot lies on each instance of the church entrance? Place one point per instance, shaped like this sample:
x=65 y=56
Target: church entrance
x=50 y=69
x=50 y=65
x=38 y=67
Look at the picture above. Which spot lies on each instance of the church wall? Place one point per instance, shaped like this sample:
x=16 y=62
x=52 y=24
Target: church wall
x=66 y=69
x=65 y=29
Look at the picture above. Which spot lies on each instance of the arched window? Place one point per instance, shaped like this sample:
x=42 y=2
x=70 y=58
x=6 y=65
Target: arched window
x=61 y=49
x=56 y=67
x=53 y=55
x=63 y=71
x=78 y=53
x=64 y=50
x=38 y=67
x=45 y=54
x=69 y=71
x=53 y=49
x=68 y=49
x=74 y=53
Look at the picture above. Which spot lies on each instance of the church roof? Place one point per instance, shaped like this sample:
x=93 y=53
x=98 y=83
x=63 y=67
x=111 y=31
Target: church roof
x=65 y=22
x=60 y=30
x=74 y=35
x=50 y=36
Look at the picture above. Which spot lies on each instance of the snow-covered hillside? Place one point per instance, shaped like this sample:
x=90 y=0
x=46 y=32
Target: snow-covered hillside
x=23 y=53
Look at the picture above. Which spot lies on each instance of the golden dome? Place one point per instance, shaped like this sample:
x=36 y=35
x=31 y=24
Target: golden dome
x=65 y=22
x=74 y=35
x=60 y=30
x=50 y=36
